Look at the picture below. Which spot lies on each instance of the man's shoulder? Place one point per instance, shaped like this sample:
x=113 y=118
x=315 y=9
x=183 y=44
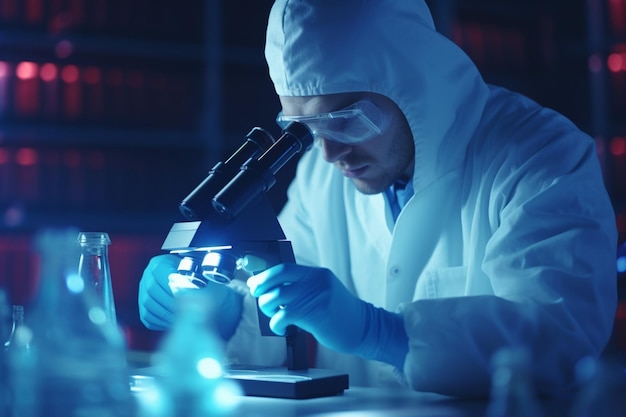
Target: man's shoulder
x=513 y=123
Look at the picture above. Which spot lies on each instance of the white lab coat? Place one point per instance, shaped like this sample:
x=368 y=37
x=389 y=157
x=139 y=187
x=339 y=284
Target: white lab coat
x=508 y=240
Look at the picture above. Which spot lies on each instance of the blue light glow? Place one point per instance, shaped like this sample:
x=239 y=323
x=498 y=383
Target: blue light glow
x=209 y=368
x=621 y=264
x=97 y=315
x=75 y=283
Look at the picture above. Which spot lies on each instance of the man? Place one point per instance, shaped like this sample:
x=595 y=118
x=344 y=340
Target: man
x=438 y=220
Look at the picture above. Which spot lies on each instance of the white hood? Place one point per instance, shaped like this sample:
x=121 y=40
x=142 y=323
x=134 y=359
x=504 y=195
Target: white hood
x=316 y=47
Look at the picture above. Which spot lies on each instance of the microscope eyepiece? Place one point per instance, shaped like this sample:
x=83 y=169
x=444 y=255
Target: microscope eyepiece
x=258 y=175
x=219 y=267
x=187 y=275
x=197 y=205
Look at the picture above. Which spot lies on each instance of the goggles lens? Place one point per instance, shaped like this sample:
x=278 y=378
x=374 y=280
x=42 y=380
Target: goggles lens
x=357 y=123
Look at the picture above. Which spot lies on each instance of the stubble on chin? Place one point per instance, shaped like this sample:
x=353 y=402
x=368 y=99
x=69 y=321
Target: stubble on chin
x=403 y=155
x=375 y=187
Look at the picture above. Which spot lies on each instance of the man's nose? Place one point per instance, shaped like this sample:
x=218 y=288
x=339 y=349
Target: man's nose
x=333 y=151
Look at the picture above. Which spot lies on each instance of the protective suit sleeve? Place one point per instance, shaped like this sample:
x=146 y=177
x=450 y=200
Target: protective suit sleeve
x=551 y=265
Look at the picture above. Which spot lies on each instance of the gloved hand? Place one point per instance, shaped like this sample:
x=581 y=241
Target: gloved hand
x=316 y=301
x=157 y=304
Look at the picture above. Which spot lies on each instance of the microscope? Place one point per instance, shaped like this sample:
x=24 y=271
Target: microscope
x=232 y=225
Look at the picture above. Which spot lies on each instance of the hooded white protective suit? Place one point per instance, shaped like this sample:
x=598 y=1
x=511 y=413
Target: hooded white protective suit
x=509 y=238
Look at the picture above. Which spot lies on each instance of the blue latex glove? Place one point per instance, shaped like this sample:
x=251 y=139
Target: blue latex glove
x=316 y=301
x=157 y=304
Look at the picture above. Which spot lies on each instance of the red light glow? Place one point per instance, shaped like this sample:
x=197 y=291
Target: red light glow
x=617 y=15
x=26 y=156
x=26 y=70
x=4 y=69
x=618 y=146
x=70 y=74
x=615 y=62
x=48 y=72
x=33 y=11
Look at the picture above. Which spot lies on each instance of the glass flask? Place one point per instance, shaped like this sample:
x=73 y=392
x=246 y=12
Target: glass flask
x=80 y=355
x=4 y=374
x=20 y=365
x=93 y=267
x=4 y=315
x=18 y=323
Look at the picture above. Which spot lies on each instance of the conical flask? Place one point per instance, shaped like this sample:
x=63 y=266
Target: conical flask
x=80 y=355
x=18 y=322
x=93 y=267
x=4 y=374
x=20 y=365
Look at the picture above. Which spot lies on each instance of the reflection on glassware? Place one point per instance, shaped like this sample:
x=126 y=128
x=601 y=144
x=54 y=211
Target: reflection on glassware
x=94 y=269
x=80 y=365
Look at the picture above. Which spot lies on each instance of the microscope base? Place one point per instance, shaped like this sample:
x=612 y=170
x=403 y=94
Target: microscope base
x=285 y=383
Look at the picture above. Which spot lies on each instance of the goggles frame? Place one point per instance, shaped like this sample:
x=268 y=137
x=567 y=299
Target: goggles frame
x=357 y=123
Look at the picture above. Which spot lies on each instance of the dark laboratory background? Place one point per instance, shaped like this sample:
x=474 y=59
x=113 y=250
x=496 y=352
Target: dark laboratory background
x=112 y=111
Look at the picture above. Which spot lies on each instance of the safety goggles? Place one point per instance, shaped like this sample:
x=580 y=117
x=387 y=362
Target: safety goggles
x=355 y=124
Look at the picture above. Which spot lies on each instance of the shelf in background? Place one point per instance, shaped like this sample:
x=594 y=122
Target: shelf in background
x=24 y=44
x=71 y=135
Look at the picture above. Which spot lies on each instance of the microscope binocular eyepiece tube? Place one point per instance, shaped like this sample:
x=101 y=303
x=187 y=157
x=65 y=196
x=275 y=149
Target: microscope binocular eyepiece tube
x=197 y=205
x=258 y=175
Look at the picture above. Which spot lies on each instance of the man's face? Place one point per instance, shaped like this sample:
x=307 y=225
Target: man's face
x=373 y=165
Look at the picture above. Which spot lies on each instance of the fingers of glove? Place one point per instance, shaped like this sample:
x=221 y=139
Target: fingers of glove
x=269 y=302
x=274 y=276
x=157 y=272
x=154 y=322
x=315 y=301
x=303 y=303
x=155 y=295
x=304 y=297
x=279 y=323
x=284 y=317
x=269 y=306
x=157 y=306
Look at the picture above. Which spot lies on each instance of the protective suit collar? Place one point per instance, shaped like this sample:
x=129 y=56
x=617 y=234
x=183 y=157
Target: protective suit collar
x=389 y=47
